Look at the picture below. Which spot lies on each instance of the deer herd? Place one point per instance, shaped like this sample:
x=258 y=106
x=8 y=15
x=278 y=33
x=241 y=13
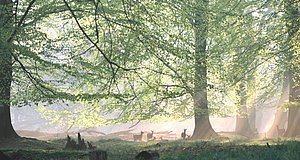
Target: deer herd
x=162 y=136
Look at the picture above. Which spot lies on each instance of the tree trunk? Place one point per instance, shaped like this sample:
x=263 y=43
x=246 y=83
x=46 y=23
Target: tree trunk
x=293 y=128
x=280 y=115
x=6 y=21
x=242 y=122
x=252 y=119
x=292 y=24
x=203 y=128
x=242 y=125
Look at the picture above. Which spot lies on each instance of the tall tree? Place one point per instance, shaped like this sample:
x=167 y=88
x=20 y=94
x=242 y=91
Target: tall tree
x=292 y=18
x=26 y=62
x=6 y=66
x=242 y=121
x=280 y=118
x=203 y=128
x=165 y=42
x=139 y=55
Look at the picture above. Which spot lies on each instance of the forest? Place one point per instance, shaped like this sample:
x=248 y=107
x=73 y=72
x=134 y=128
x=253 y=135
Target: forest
x=83 y=64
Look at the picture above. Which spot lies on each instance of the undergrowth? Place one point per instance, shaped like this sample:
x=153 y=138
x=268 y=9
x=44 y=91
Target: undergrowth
x=278 y=149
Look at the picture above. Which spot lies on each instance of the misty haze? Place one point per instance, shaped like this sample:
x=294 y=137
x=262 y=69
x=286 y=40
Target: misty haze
x=149 y=79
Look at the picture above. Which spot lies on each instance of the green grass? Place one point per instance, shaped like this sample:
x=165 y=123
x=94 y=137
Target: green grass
x=285 y=149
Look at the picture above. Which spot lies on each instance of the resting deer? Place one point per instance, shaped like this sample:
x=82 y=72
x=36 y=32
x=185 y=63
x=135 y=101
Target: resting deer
x=183 y=134
x=138 y=137
x=280 y=132
x=150 y=136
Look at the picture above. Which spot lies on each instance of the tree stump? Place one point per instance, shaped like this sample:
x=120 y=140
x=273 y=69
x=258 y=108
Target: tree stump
x=3 y=156
x=147 y=155
x=97 y=155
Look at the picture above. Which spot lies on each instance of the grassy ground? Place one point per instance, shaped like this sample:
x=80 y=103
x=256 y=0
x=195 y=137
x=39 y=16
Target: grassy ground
x=284 y=149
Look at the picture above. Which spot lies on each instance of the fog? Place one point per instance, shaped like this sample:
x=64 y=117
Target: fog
x=26 y=119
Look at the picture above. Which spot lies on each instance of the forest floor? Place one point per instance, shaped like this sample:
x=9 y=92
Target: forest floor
x=278 y=149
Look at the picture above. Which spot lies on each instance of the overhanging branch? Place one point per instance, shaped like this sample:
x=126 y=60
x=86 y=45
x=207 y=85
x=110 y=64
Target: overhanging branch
x=89 y=39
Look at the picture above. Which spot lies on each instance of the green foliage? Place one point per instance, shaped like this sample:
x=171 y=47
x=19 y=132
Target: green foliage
x=136 y=59
x=291 y=105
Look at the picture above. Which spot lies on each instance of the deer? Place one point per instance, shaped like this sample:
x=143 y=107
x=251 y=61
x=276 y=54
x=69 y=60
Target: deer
x=138 y=137
x=150 y=135
x=183 y=134
x=280 y=132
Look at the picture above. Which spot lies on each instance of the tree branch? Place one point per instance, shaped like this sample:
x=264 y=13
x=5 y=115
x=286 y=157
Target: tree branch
x=89 y=39
x=21 y=21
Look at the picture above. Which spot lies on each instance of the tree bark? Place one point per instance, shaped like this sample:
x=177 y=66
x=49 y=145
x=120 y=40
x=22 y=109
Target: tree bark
x=293 y=127
x=292 y=24
x=242 y=122
x=6 y=21
x=203 y=128
x=252 y=119
x=280 y=115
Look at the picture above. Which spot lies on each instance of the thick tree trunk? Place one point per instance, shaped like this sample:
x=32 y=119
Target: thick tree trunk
x=280 y=115
x=292 y=23
x=242 y=126
x=6 y=128
x=203 y=128
x=293 y=128
x=242 y=122
x=279 y=123
x=252 y=119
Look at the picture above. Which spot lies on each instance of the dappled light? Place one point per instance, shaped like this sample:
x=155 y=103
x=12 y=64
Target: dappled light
x=150 y=79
